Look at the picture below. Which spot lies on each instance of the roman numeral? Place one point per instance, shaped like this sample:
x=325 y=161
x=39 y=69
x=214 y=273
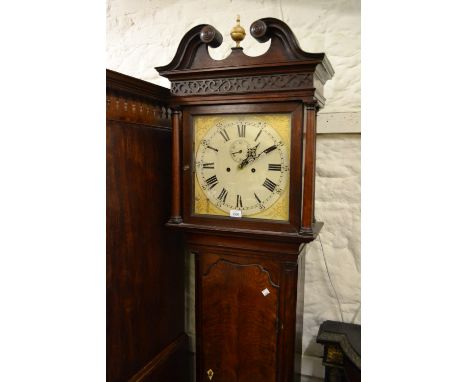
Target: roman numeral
x=269 y=184
x=256 y=197
x=222 y=195
x=212 y=181
x=241 y=130
x=258 y=135
x=212 y=148
x=208 y=165
x=224 y=134
x=239 y=202
x=274 y=167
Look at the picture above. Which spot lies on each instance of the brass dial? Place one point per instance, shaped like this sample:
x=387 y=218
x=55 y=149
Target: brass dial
x=242 y=164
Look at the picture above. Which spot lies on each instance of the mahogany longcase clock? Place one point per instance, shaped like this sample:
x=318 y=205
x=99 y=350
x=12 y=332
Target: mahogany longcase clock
x=244 y=132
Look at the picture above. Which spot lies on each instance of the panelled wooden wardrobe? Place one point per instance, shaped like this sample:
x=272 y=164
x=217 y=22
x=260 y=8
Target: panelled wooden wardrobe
x=145 y=262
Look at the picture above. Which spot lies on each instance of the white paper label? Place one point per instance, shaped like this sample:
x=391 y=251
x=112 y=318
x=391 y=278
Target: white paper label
x=235 y=214
x=266 y=292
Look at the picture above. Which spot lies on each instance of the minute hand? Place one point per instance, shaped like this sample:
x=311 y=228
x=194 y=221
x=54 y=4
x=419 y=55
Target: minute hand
x=251 y=159
x=266 y=151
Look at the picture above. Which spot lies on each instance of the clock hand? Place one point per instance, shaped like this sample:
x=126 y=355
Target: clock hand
x=254 y=149
x=248 y=160
x=267 y=150
x=251 y=155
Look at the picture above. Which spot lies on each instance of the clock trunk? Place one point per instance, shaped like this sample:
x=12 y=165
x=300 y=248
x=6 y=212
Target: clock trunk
x=248 y=317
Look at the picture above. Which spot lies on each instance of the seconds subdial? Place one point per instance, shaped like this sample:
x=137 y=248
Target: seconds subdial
x=238 y=149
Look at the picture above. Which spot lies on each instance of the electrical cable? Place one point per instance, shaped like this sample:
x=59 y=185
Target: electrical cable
x=329 y=278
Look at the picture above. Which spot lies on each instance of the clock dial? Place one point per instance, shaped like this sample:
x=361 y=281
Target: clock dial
x=242 y=163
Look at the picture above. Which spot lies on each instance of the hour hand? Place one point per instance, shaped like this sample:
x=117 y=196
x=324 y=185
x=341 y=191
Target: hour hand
x=246 y=161
x=251 y=156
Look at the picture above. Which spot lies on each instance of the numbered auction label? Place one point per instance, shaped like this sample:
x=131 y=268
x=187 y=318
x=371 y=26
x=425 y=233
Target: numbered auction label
x=235 y=214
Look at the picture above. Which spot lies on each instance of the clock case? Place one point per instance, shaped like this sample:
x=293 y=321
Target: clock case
x=284 y=79
x=235 y=259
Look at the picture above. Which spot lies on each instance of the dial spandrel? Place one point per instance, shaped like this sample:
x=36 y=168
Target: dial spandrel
x=242 y=163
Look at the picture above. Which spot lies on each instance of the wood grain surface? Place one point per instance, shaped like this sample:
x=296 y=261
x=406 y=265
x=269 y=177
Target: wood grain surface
x=145 y=262
x=239 y=322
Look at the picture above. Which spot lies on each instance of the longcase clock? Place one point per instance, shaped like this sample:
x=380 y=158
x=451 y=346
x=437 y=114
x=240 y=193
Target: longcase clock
x=244 y=132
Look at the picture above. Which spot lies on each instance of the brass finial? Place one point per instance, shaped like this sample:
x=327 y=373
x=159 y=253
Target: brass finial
x=237 y=32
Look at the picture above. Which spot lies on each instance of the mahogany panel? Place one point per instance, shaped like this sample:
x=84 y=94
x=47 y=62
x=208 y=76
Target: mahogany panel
x=239 y=321
x=219 y=306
